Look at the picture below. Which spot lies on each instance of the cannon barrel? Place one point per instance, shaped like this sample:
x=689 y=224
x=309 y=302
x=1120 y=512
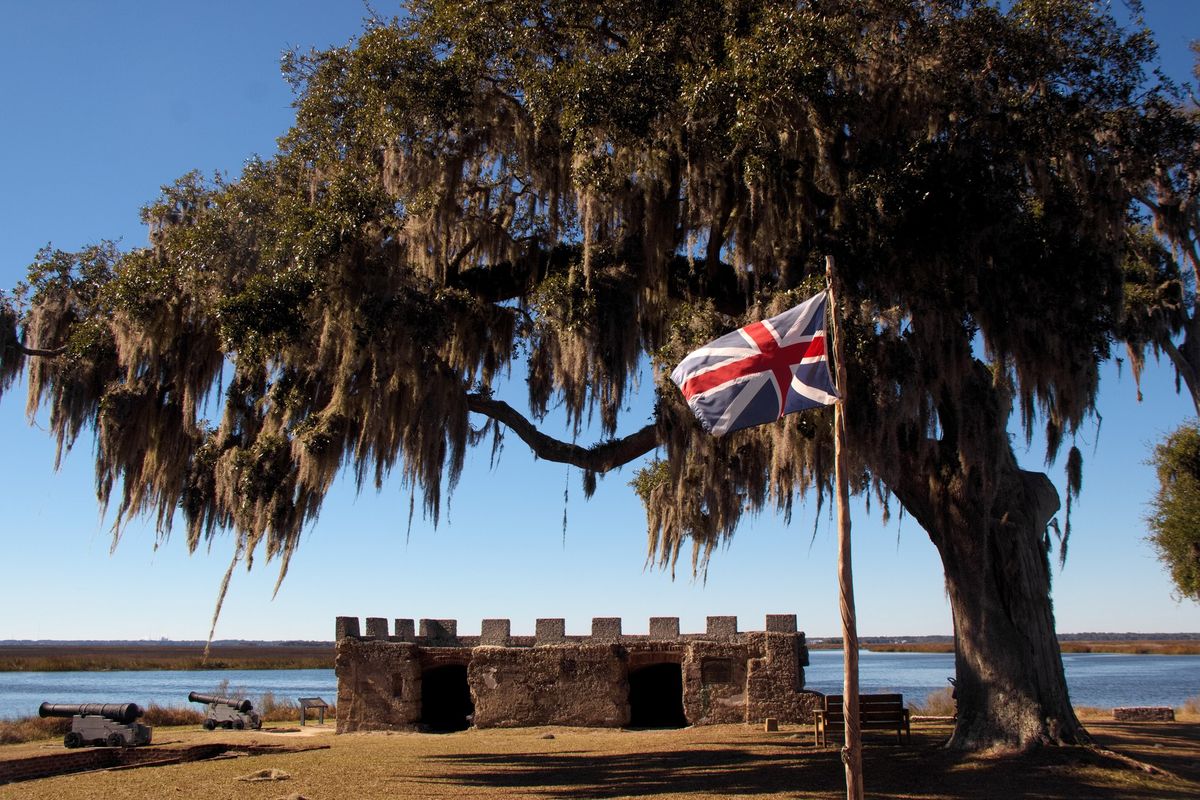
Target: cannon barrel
x=124 y=713
x=241 y=705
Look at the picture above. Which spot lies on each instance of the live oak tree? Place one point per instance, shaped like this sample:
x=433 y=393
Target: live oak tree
x=572 y=187
x=1175 y=508
x=1162 y=314
x=1164 y=260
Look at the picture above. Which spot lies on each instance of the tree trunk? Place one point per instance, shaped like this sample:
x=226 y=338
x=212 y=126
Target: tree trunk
x=1010 y=687
x=1011 y=690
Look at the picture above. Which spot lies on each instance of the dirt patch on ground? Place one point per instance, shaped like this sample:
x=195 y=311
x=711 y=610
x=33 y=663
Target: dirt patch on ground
x=705 y=762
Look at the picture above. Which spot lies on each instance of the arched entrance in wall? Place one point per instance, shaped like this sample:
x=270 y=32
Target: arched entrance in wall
x=656 y=697
x=446 y=699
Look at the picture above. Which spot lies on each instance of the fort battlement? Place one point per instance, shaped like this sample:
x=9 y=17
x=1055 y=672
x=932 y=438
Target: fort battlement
x=548 y=631
x=406 y=674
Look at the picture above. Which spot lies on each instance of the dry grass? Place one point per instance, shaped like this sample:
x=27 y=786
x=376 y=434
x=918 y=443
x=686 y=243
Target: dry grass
x=281 y=709
x=1161 y=647
x=126 y=656
x=1188 y=712
x=939 y=703
x=158 y=716
x=32 y=729
x=706 y=762
x=1092 y=713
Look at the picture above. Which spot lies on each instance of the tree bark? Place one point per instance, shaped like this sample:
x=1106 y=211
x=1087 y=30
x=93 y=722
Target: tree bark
x=1011 y=689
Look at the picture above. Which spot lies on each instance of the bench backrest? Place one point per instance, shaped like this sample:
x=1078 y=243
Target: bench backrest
x=868 y=704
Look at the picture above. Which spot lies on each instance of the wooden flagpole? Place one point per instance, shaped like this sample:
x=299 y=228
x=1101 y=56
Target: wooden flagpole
x=852 y=750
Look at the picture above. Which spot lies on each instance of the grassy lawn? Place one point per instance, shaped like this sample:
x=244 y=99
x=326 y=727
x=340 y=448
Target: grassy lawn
x=703 y=762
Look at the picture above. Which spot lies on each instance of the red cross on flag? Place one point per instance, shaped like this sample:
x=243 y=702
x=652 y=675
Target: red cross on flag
x=758 y=373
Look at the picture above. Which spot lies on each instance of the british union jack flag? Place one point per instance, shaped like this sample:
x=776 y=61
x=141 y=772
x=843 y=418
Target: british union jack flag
x=758 y=373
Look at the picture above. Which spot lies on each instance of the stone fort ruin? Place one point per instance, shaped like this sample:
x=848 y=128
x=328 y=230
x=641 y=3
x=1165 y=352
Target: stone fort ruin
x=435 y=680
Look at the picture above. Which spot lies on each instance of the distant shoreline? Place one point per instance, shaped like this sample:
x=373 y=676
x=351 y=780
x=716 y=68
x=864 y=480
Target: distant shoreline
x=109 y=656
x=60 y=656
x=1166 y=647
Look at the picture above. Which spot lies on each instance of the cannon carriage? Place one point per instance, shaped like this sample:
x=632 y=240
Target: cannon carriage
x=227 y=712
x=100 y=724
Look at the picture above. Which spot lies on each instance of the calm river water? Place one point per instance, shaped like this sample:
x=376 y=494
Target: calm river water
x=1095 y=679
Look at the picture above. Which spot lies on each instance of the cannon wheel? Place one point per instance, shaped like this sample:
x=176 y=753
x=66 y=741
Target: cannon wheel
x=239 y=724
x=209 y=724
x=73 y=739
x=115 y=740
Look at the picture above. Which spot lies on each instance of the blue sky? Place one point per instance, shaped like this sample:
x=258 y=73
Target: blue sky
x=105 y=102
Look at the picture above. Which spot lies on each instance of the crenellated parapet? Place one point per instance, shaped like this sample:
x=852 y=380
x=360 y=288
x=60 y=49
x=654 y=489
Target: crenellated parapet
x=549 y=631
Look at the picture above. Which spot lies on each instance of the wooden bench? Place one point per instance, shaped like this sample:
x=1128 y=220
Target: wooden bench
x=875 y=712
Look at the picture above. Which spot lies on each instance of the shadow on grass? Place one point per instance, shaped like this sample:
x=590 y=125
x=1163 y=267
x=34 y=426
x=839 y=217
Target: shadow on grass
x=1170 y=746
x=921 y=770
x=720 y=772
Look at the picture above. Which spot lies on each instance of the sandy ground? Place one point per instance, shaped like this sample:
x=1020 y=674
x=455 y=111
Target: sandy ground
x=705 y=762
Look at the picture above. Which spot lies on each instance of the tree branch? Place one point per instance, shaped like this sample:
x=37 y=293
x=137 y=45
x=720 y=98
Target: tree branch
x=37 y=351
x=597 y=458
x=1183 y=366
x=511 y=279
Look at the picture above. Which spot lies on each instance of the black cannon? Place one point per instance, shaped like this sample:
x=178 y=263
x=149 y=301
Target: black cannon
x=227 y=712
x=242 y=705
x=123 y=713
x=105 y=724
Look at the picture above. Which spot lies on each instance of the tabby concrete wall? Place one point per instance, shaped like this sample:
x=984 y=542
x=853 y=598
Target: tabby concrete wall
x=379 y=685
x=714 y=681
x=775 y=681
x=565 y=684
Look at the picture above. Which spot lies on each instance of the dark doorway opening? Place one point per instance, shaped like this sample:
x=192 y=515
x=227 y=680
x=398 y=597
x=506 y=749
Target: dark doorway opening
x=446 y=699
x=656 y=697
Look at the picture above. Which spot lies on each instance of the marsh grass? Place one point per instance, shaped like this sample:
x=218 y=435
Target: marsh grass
x=1189 y=711
x=165 y=716
x=938 y=703
x=32 y=729
x=1085 y=713
x=1142 y=647
x=126 y=656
